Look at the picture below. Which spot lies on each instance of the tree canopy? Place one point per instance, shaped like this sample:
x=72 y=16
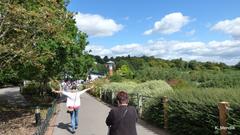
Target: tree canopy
x=39 y=40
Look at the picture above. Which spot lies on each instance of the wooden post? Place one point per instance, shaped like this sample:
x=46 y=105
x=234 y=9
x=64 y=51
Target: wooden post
x=165 y=111
x=100 y=93
x=112 y=97
x=222 y=106
x=105 y=96
x=140 y=107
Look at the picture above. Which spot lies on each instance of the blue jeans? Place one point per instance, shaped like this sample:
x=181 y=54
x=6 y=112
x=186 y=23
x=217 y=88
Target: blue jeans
x=74 y=119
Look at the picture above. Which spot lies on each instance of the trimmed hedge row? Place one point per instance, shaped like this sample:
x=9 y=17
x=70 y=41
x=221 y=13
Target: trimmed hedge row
x=190 y=111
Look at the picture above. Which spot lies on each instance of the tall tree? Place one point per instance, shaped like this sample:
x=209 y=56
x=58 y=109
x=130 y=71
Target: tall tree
x=237 y=65
x=39 y=39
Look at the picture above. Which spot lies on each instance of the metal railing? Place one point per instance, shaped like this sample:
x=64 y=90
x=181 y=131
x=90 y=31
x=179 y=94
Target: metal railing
x=42 y=128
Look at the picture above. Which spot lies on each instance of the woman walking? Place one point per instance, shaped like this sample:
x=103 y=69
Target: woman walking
x=122 y=119
x=73 y=104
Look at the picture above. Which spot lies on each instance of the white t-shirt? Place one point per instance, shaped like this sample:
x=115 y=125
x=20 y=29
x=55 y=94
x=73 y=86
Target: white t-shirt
x=73 y=98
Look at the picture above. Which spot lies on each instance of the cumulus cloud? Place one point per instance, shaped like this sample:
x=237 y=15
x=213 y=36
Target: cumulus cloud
x=99 y=50
x=218 y=51
x=231 y=27
x=96 y=25
x=169 y=24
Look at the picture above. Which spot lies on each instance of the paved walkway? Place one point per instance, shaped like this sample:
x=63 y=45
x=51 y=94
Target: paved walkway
x=12 y=96
x=92 y=117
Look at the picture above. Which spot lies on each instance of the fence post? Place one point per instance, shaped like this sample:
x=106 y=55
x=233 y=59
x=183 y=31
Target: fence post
x=100 y=93
x=105 y=96
x=165 y=111
x=37 y=116
x=222 y=106
x=112 y=97
x=140 y=107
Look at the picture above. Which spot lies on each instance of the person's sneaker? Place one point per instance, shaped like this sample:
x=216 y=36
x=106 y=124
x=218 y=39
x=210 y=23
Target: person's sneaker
x=73 y=131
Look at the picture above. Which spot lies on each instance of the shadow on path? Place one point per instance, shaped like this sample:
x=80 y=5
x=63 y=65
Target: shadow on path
x=66 y=126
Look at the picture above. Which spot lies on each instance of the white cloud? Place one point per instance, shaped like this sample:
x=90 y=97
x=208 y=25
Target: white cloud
x=231 y=27
x=96 y=25
x=169 y=24
x=99 y=50
x=218 y=51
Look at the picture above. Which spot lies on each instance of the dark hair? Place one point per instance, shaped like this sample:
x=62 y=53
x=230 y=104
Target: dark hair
x=74 y=87
x=122 y=97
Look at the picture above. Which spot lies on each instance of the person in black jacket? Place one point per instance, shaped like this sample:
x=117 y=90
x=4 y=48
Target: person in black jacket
x=122 y=119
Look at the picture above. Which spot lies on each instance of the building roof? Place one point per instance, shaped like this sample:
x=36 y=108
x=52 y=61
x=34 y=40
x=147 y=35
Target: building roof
x=110 y=62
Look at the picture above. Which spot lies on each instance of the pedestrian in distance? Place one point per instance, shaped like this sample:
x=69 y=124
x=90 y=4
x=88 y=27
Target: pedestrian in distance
x=122 y=119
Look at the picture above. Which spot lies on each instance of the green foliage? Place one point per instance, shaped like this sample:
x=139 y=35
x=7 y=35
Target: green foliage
x=179 y=83
x=116 y=78
x=37 y=89
x=191 y=111
x=31 y=89
x=190 y=74
x=125 y=71
x=195 y=111
x=210 y=96
x=98 y=86
x=116 y=86
x=8 y=76
x=100 y=68
x=152 y=88
x=186 y=118
x=153 y=112
x=237 y=65
x=46 y=41
x=198 y=88
x=54 y=84
x=149 y=88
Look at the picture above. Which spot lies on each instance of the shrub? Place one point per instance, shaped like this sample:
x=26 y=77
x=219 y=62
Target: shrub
x=152 y=88
x=118 y=86
x=116 y=78
x=97 y=86
x=55 y=84
x=195 y=111
x=179 y=83
x=191 y=111
x=32 y=88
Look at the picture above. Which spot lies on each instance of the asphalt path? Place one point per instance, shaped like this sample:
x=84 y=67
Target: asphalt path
x=92 y=115
x=12 y=96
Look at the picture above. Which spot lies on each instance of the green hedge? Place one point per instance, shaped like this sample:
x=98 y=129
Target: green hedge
x=234 y=120
x=149 y=88
x=191 y=111
x=34 y=88
x=187 y=118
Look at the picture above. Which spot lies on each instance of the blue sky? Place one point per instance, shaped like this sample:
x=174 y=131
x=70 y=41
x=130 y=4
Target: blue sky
x=204 y=30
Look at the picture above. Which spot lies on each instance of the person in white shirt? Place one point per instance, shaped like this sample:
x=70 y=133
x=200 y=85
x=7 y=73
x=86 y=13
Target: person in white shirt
x=73 y=104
